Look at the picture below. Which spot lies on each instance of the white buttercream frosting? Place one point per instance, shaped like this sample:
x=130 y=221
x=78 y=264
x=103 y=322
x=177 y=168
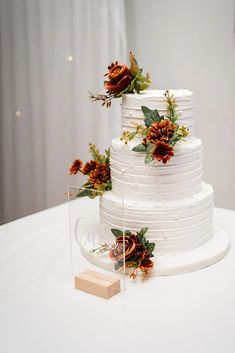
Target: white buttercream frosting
x=155 y=99
x=175 y=226
x=179 y=178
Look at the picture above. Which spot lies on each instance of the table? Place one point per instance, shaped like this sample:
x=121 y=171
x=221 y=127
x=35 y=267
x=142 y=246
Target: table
x=41 y=312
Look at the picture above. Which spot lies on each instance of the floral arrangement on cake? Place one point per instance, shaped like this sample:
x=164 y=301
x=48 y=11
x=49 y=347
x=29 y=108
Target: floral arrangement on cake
x=97 y=171
x=132 y=250
x=122 y=80
x=160 y=133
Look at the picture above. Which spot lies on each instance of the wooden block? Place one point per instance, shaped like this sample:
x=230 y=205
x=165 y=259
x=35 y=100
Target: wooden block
x=98 y=284
x=102 y=276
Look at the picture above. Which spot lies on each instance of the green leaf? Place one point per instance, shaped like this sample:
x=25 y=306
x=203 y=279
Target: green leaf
x=150 y=147
x=87 y=185
x=151 y=247
x=148 y=158
x=83 y=193
x=117 y=232
x=93 y=194
x=148 y=121
x=107 y=154
x=151 y=116
x=108 y=185
x=146 y=111
x=175 y=138
x=139 y=148
x=128 y=232
x=141 y=237
x=143 y=231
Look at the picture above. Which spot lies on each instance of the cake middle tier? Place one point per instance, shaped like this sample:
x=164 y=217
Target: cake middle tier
x=179 y=178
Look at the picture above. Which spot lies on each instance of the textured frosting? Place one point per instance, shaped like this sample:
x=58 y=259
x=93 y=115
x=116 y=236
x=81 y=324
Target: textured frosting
x=179 y=178
x=131 y=107
x=171 y=199
x=175 y=226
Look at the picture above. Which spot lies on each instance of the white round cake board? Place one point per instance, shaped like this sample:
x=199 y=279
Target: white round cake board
x=207 y=254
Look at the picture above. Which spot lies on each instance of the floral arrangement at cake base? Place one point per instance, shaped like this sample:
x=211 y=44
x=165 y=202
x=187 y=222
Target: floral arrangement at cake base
x=160 y=133
x=97 y=171
x=130 y=250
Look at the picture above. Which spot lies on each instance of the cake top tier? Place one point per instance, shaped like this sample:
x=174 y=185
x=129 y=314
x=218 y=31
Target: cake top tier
x=155 y=99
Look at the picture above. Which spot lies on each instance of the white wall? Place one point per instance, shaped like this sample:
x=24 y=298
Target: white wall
x=57 y=120
x=191 y=44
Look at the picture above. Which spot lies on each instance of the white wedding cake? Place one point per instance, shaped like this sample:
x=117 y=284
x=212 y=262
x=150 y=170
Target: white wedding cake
x=156 y=213
x=170 y=199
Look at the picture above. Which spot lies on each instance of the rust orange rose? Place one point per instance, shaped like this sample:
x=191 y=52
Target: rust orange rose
x=119 y=78
x=118 y=252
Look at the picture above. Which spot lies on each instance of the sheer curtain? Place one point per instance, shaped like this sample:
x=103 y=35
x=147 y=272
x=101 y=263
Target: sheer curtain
x=52 y=53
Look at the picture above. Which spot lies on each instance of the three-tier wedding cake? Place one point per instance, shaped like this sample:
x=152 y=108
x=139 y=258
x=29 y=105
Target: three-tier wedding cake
x=170 y=199
x=156 y=166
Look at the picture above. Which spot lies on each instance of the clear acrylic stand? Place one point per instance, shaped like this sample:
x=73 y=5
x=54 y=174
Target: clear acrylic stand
x=93 y=244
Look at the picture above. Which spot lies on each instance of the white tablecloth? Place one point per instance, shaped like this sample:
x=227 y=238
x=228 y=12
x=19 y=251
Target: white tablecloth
x=41 y=312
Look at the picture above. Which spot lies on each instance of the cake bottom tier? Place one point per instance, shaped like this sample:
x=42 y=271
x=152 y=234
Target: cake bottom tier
x=175 y=226
x=173 y=264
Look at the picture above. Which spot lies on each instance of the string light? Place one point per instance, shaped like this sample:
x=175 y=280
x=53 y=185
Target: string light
x=18 y=113
x=70 y=58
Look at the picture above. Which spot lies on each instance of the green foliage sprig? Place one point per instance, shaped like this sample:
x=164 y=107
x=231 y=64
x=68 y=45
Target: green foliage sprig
x=97 y=156
x=140 y=131
x=171 y=107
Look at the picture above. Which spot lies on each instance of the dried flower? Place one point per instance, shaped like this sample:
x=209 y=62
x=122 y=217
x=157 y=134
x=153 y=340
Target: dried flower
x=98 y=172
x=122 y=80
x=119 y=253
x=132 y=249
x=88 y=167
x=75 y=167
x=160 y=133
x=100 y=175
x=162 y=152
x=183 y=131
x=146 y=265
x=119 y=78
x=162 y=130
